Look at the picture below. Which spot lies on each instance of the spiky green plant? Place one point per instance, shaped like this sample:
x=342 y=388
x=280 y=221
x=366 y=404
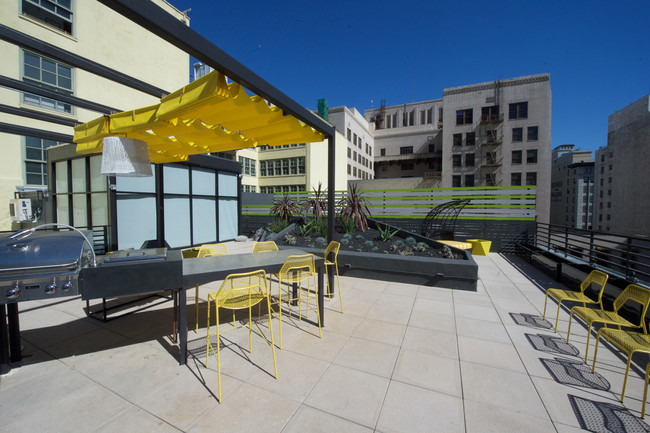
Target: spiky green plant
x=318 y=202
x=285 y=208
x=354 y=205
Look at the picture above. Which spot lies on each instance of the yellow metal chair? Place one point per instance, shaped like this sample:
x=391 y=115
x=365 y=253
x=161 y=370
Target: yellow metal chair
x=239 y=292
x=595 y=277
x=296 y=270
x=264 y=247
x=331 y=253
x=630 y=343
x=632 y=293
x=207 y=250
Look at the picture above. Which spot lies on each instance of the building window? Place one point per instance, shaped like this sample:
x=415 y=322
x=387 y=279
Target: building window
x=464 y=117
x=36 y=160
x=470 y=139
x=407 y=166
x=279 y=167
x=489 y=179
x=349 y=169
x=469 y=159
x=515 y=179
x=469 y=180
x=490 y=114
x=406 y=150
x=516 y=157
x=349 y=135
x=517 y=134
x=491 y=135
x=382 y=152
x=518 y=110
x=458 y=139
x=247 y=166
x=457 y=160
x=349 y=152
x=354 y=156
x=56 y=13
x=531 y=178
x=532 y=133
x=531 y=156
x=455 y=181
x=50 y=75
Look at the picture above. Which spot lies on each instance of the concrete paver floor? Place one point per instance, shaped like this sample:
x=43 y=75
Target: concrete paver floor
x=403 y=358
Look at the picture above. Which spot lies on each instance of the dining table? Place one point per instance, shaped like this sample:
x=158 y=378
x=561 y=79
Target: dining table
x=204 y=270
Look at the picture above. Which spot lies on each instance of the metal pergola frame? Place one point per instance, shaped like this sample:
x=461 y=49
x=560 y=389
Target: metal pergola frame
x=153 y=18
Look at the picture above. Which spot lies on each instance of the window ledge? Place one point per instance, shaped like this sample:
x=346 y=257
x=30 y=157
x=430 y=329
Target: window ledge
x=47 y=27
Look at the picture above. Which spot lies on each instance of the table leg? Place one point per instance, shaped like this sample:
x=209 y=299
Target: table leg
x=14 y=333
x=4 y=342
x=182 y=324
x=321 y=297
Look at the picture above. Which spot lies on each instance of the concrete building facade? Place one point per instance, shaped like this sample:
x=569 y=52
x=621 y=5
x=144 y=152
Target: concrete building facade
x=620 y=184
x=572 y=187
x=360 y=137
x=29 y=123
x=489 y=134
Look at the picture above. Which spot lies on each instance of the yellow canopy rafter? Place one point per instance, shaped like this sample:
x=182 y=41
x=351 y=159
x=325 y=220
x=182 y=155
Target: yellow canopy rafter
x=208 y=115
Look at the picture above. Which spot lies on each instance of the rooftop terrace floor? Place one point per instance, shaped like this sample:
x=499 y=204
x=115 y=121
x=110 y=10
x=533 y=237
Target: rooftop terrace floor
x=403 y=358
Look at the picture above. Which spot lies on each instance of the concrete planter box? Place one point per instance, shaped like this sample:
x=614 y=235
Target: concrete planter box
x=458 y=274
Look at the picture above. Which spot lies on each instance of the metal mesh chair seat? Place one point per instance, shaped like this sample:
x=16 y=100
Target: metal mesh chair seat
x=597 y=278
x=632 y=293
x=239 y=292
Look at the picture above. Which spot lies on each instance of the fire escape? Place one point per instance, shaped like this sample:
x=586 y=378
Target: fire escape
x=491 y=139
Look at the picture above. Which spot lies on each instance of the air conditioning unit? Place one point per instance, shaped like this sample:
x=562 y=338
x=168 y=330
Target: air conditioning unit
x=20 y=209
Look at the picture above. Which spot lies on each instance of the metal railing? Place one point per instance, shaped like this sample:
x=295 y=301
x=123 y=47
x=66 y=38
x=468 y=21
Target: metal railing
x=624 y=256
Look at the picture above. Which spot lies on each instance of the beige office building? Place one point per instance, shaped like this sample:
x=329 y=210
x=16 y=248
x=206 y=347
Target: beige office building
x=83 y=36
x=622 y=191
x=496 y=133
x=572 y=187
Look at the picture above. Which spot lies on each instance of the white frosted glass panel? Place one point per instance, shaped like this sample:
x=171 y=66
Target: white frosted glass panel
x=61 y=177
x=99 y=203
x=227 y=219
x=203 y=182
x=177 y=222
x=62 y=209
x=227 y=185
x=176 y=180
x=136 y=220
x=204 y=218
x=79 y=210
x=137 y=184
x=97 y=180
x=79 y=175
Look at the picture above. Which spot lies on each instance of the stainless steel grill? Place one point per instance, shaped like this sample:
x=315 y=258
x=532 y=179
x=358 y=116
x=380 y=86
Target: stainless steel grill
x=42 y=264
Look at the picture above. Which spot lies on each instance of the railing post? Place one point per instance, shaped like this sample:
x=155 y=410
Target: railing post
x=591 y=249
x=566 y=241
x=628 y=249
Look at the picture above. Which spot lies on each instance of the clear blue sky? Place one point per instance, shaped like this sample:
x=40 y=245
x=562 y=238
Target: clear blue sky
x=357 y=53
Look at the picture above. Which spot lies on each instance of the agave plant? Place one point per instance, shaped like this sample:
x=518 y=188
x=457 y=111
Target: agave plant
x=318 y=202
x=355 y=206
x=285 y=208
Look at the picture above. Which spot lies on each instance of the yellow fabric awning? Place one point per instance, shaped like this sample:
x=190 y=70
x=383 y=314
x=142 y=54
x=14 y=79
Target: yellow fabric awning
x=207 y=115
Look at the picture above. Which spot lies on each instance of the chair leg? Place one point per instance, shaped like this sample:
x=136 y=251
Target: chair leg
x=645 y=389
x=275 y=365
x=627 y=370
x=593 y=367
x=545 y=301
x=588 y=337
x=557 y=316
x=196 y=307
x=568 y=332
x=338 y=281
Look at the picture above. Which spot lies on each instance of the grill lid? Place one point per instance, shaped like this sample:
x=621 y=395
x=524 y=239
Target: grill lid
x=42 y=251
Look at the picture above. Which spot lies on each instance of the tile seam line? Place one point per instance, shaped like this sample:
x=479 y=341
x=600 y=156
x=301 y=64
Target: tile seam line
x=530 y=377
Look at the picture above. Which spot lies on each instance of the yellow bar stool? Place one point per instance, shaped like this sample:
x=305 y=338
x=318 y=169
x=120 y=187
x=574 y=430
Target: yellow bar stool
x=240 y=292
x=296 y=270
x=207 y=250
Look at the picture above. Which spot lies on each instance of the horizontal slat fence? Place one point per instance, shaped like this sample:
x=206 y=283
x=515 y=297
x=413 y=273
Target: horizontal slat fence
x=504 y=215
